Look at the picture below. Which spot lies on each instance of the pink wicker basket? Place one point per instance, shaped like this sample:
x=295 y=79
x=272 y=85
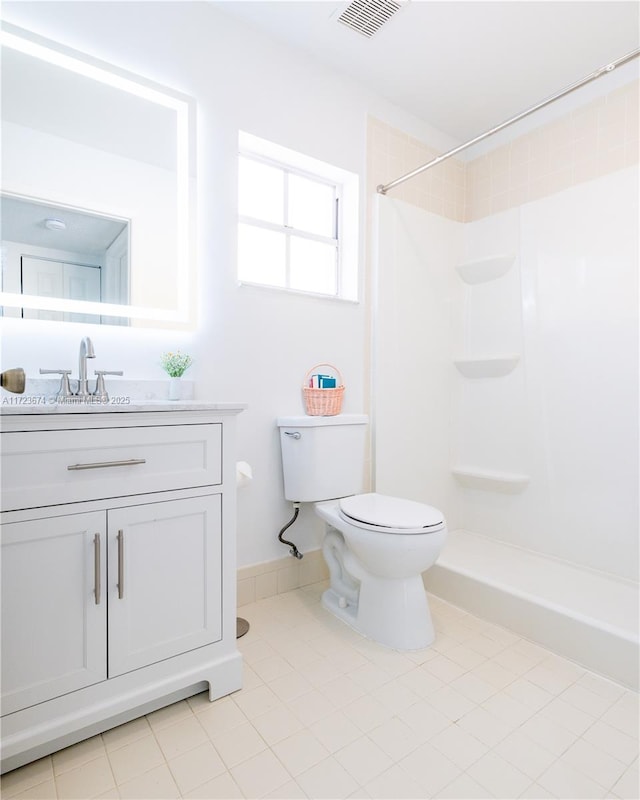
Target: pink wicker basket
x=323 y=402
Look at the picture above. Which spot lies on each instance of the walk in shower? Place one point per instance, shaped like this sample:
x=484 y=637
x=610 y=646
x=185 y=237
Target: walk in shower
x=505 y=381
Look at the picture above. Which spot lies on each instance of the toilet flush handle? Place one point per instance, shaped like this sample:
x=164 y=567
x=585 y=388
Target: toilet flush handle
x=293 y=434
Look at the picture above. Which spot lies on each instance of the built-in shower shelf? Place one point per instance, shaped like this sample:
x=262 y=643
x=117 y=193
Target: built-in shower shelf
x=486 y=367
x=489 y=480
x=485 y=269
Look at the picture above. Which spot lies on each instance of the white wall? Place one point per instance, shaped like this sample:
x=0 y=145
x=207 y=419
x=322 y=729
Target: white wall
x=250 y=345
x=567 y=416
x=254 y=345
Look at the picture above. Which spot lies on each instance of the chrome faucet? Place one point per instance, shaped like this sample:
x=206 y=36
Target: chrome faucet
x=86 y=351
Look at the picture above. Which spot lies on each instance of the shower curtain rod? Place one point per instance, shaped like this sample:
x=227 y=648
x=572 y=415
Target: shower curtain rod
x=384 y=188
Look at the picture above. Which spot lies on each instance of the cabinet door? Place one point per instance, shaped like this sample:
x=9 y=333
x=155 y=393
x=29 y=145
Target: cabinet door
x=53 y=607
x=165 y=587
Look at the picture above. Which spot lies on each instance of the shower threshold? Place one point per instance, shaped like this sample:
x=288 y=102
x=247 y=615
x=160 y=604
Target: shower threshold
x=587 y=616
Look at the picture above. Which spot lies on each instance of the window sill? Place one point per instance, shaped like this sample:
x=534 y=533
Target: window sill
x=299 y=292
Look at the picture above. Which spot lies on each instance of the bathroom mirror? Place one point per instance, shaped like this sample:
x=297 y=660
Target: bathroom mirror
x=90 y=149
x=65 y=253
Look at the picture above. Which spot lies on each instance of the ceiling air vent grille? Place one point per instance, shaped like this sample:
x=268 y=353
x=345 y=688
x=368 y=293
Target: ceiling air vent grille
x=368 y=16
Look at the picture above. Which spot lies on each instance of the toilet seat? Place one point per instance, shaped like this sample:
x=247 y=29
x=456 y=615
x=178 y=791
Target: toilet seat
x=384 y=514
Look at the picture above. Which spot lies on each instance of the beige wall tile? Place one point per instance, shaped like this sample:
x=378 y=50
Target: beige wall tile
x=612 y=160
x=499 y=181
x=518 y=195
x=600 y=137
x=279 y=576
x=585 y=169
x=246 y=591
x=313 y=568
x=519 y=174
x=266 y=584
x=521 y=150
x=614 y=112
x=499 y=202
x=378 y=133
x=287 y=579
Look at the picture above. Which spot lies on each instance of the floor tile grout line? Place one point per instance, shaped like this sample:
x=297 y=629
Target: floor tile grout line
x=370 y=655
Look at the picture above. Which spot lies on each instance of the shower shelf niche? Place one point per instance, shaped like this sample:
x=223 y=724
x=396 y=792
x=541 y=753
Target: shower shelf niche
x=486 y=367
x=485 y=269
x=489 y=480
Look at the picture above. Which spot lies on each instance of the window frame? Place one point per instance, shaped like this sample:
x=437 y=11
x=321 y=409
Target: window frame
x=290 y=232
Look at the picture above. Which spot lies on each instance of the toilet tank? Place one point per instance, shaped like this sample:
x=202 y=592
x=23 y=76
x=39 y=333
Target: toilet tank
x=323 y=457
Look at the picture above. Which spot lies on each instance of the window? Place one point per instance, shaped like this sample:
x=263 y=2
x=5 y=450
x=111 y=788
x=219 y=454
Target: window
x=290 y=223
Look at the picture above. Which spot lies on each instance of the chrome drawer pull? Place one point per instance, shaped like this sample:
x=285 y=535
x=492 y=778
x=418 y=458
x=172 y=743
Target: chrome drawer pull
x=100 y=464
x=120 y=564
x=96 y=567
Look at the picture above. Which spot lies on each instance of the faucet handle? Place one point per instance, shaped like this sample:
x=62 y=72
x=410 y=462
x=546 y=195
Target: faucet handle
x=64 y=391
x=101 y=390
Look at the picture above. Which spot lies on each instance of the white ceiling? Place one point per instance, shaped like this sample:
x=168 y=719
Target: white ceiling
x=462 y=66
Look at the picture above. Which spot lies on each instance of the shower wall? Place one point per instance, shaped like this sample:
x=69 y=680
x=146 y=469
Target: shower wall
x=506 y=392
x=412 y=353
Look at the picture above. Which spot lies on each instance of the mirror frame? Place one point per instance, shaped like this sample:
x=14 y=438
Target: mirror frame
x=59 y=55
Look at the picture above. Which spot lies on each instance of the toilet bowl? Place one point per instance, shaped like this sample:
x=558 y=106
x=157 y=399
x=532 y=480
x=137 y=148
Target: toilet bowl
x=376 y=548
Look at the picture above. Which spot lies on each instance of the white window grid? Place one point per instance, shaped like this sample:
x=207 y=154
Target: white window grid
x=291 y=231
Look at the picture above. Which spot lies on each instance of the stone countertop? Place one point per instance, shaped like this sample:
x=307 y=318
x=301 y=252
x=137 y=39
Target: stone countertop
x=16 y=404
x=125 y=396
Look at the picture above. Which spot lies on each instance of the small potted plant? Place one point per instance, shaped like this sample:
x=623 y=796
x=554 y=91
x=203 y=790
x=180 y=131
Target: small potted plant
x=175 y=365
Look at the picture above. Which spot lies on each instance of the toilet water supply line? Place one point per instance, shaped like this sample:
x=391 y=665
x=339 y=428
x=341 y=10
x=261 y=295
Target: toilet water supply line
x=294 y=550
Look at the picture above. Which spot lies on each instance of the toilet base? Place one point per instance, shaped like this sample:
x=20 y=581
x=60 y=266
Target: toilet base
x=394 y=613
x=334 y=603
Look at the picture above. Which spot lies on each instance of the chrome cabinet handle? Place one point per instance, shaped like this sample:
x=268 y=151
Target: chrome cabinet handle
x=96 y=568
x=120 y=564
x=100 y=464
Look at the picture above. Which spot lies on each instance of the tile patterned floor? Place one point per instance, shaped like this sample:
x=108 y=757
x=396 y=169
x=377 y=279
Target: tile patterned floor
x=325 y=713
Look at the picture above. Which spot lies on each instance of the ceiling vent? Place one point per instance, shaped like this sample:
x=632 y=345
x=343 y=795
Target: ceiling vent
x=368 y=16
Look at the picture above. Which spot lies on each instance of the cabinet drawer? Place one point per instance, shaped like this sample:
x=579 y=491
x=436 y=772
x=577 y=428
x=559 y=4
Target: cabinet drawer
x=42 y=468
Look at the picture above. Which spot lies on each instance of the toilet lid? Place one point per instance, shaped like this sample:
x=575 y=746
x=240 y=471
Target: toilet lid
x=390 y=512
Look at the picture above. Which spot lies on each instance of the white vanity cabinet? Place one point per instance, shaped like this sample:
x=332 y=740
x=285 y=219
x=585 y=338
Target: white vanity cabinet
x=53 y=638
x=165 y=596
x=118 y=569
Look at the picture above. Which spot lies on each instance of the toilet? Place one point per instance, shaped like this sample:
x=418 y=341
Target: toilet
x=376 y=546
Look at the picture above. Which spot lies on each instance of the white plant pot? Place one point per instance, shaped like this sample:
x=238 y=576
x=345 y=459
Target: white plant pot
x=175 y=389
